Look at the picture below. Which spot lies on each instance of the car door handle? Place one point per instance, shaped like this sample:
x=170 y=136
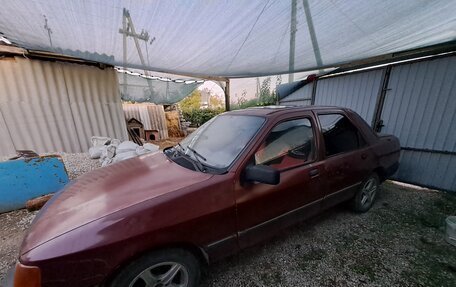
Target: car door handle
x=314 y=173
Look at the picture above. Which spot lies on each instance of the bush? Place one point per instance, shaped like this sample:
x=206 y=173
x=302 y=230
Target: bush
x=199 y=117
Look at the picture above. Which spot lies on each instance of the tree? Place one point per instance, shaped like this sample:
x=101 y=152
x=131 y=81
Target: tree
x=192 y=102
x=266 y=97
x=278 y=80
x=242 y=99
x=191 y=108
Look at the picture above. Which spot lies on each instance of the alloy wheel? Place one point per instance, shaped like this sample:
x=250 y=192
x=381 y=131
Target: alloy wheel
x=368 y=192
x=164 y=274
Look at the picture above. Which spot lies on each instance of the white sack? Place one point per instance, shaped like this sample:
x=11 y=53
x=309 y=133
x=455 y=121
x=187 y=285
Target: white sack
x=151 y=147
x=126 y=146
x=115 y=142
x=96 y=151
x=106 y=161
x=124 y=156
x=108 y=152
x=100 y=141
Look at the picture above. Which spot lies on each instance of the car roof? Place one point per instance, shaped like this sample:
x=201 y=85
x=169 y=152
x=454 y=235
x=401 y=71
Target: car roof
x=277 y=110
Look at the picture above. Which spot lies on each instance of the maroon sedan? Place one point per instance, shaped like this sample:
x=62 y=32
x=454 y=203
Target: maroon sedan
x=155 y=220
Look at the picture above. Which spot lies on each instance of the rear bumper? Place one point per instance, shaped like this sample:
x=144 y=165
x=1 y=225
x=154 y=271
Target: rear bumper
x=391 y=170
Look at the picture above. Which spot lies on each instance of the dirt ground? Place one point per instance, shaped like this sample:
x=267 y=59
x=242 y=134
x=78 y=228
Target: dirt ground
x=399 y=242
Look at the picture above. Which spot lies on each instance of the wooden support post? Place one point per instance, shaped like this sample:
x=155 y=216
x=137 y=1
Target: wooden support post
x=227 y=95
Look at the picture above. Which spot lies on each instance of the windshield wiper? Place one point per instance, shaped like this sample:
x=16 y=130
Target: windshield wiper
x=197 y=163
x=197 y=154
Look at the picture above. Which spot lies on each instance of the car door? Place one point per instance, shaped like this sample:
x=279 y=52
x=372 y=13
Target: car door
x=290 y=146
x=348 y=157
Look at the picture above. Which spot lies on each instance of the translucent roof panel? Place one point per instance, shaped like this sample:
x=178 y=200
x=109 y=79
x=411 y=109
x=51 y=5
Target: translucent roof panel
x=226 y=38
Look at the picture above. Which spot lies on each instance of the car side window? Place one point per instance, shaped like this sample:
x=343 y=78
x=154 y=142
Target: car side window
x=339 y=133
x=289 y=144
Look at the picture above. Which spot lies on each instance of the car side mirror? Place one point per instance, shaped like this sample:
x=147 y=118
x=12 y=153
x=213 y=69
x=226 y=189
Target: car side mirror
x=262 y=173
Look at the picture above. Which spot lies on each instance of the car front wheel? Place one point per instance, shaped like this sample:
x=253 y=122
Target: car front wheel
x=170 y=267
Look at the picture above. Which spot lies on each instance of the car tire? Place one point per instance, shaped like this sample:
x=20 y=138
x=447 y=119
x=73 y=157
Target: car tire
x=366 y=194
x=167 y=267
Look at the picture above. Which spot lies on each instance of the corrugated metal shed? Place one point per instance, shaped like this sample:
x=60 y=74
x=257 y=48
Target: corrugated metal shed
x=54 y=106
x=420 y=109
x=151 y=116
x=300 y=97
x=357 y=91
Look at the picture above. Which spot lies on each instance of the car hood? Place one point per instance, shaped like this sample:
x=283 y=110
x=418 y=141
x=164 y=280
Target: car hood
x=107 y=190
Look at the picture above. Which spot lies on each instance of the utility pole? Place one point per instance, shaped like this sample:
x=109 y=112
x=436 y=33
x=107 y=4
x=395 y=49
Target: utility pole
x=292 y=41
x=128 y=30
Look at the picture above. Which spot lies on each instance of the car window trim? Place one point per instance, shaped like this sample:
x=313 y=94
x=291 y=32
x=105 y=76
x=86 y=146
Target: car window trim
x=360 y=134
x=313 y=126
x=254 y=136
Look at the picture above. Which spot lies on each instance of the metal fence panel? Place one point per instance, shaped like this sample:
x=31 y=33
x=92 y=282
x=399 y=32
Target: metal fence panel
x=54 y=106
x=356 y=91
x=429 y=169
x=300 y=97
x=420 y=108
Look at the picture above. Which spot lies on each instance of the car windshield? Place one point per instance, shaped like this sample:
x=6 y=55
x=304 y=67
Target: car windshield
x=219 y=141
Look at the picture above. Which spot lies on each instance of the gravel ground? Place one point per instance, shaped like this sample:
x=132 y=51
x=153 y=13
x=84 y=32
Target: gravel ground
x=399 y=242
x=76 y=164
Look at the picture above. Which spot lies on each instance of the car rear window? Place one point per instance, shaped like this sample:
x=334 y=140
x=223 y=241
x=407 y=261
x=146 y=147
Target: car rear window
x=339 y=133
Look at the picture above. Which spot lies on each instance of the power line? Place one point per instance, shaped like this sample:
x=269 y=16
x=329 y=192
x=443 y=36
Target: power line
x=248 y=35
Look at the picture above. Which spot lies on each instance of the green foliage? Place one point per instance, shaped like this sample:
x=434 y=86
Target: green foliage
x=198 y=117
x=215 y=102
x=266 y=97
x=192 y=102
x=191 y=108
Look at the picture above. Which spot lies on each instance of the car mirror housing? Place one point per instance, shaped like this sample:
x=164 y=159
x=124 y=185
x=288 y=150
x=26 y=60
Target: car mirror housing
x=263 y=174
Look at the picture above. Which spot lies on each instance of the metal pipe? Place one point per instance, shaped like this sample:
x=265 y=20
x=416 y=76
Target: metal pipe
x=313 y=35
x=292 y=41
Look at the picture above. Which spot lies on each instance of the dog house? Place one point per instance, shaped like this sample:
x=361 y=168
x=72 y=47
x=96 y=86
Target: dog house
x=136 y=127
x=152 y=135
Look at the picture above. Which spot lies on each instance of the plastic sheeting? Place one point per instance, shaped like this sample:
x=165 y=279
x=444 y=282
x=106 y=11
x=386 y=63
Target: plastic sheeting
x=140 y=89
x=227 y=38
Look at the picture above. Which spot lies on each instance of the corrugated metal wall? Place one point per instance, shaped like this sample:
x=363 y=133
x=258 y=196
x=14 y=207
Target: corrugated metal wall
x=150 y=115
x=53 y=106
x=300 y=97
x=357 y=91
x=420 y=109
